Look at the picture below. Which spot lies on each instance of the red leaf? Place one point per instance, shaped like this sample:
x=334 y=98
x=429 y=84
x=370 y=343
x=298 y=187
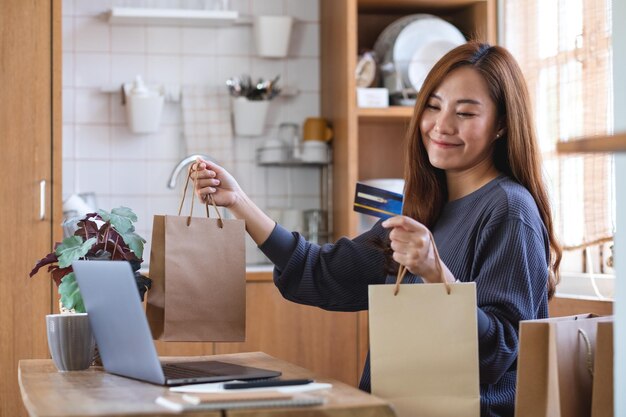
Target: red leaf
x=91 y=226
x=50 y=258
x=59 y=273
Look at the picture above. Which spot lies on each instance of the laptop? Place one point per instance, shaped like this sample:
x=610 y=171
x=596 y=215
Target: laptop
x=123 y=336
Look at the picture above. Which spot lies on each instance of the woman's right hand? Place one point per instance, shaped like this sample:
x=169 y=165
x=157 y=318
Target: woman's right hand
x=213 y=179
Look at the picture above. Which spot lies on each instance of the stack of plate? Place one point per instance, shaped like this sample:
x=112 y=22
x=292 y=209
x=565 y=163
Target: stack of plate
x=409 y=47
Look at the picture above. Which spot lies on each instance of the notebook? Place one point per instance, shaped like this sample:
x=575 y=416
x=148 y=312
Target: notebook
x=123 y=335
x=177 y=402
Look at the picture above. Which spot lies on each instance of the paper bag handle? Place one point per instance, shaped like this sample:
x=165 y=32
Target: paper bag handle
x=589 y=356
x=402 y=269
x=220 y=223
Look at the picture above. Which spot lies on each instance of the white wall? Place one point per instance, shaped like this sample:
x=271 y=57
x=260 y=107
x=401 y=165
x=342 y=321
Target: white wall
x=619 y=69
x=101 y=155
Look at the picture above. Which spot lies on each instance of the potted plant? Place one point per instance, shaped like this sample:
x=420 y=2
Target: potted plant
x=99 y=236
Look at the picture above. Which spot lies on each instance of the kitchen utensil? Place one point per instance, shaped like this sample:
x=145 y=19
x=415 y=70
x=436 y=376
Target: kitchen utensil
x=288 y=134
x=316 y=226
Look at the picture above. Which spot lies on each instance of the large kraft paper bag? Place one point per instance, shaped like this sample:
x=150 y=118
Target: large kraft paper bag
x=602 y=392
x=424 y=348
x=555 y=366
x=197 y=267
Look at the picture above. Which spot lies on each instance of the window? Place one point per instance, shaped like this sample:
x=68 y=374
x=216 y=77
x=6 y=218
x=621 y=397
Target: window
x=564 y=49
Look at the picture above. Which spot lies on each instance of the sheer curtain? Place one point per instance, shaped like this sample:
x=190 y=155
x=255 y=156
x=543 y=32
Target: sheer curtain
x=564 y=49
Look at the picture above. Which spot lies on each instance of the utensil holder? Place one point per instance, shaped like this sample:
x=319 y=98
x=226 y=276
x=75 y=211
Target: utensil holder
x=272 y=35
x=144 y=113
x=249 y=116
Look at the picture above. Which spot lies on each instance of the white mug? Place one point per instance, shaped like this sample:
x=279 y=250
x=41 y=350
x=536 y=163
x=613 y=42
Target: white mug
x=315 y=151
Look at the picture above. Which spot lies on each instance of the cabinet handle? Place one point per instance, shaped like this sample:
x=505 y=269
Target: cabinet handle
x=42 y=200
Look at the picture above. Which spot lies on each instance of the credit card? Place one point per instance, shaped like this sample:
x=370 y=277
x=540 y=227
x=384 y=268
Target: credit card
x=376 y=201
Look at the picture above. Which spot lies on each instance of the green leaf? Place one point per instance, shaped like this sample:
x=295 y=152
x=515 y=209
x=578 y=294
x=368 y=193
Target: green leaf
x=73 y=248
x=121 y=218
x=70 y=294
x=134 y=242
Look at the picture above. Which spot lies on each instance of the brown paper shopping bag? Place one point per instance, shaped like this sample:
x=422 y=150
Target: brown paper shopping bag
x=602 y=392
x=197 y=267
x=555 y=366
x=424 y=348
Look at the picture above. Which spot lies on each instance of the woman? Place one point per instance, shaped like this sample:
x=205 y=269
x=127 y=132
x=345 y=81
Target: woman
x=473 y=178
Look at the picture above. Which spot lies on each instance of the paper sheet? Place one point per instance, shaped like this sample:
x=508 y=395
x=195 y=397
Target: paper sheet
x=219 y=387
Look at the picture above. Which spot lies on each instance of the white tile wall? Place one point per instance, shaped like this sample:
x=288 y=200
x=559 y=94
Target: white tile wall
x=101 y=155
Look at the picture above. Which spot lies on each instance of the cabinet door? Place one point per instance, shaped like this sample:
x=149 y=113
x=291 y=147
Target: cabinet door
x=321 y=341
x=28 y=103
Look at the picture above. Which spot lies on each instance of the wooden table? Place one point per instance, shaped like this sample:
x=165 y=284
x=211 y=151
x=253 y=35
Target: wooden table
x=47 y=392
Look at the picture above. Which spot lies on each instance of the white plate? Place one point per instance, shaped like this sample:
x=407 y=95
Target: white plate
x=425 y=58
x=419 y=37
x=384 y=43
x=425 y=41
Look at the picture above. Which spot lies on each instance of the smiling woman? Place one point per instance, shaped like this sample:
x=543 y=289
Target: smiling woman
x=473 y=179
x=459 y=126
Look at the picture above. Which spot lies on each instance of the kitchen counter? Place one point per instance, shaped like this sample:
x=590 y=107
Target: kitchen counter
x=254 y=273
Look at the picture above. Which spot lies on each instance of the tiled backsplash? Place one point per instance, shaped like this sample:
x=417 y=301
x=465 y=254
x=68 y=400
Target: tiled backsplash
x=101 y=155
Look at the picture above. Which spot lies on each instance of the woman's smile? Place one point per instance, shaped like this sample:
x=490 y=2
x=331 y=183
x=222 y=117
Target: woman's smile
x=445 y=144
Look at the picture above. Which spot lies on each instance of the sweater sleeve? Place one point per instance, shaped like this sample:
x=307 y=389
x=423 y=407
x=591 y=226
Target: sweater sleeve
x=331 y=276
x=511 y=270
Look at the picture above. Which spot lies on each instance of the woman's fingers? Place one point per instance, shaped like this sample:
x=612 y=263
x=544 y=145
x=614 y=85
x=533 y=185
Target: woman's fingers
x=403 y=222
x=400 y=234
x=207 y=190
x=209 y=182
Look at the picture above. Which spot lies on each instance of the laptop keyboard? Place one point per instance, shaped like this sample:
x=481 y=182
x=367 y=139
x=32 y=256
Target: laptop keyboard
x=172 y=371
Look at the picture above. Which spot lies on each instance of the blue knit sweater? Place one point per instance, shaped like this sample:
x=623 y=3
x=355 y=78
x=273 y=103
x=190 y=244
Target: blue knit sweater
x=493 y=236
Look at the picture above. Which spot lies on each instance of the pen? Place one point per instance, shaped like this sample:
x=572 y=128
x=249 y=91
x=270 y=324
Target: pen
x=268 y=383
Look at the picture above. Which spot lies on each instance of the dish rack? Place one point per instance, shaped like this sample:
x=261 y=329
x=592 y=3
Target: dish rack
x=290 y=156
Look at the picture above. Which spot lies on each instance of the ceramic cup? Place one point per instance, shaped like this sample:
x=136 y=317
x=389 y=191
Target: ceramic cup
x=70 y=341
x=316 y=129
x=273 y=150
x=315 y=151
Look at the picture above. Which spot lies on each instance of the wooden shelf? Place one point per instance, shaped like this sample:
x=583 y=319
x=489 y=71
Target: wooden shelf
x=401 y=5
x=387 y=114
x=611 y=143
x=185 y=17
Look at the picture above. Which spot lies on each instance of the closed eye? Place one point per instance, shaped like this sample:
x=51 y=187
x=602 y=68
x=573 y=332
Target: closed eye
x=467 y=115
x=432 y=107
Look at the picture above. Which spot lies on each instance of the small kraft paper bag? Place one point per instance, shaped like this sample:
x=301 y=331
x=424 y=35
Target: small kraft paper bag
x=555 y=366
x=197 y=267
x=602 y=392
x=424 y=347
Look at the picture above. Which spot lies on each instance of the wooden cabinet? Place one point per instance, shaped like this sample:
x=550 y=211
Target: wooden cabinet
x=30 y=204
x=369 y=143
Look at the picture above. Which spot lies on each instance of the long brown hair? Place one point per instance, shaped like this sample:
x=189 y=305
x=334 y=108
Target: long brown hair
x=516 y=153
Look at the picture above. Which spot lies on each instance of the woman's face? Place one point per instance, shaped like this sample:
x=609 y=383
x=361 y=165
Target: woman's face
x=458 y=125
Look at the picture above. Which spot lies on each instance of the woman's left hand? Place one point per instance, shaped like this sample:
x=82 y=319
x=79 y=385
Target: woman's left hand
x=412 y=247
